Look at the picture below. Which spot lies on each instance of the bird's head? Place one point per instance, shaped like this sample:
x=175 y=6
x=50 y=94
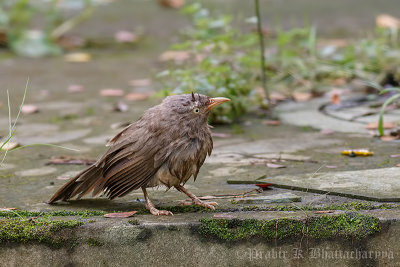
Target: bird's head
x=193 y=108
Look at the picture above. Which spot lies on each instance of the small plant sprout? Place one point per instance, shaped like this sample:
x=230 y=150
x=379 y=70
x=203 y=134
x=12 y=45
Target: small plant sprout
x=12 y=130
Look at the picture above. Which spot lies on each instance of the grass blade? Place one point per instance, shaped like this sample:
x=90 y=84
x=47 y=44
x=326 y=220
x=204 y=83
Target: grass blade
x=387 y=102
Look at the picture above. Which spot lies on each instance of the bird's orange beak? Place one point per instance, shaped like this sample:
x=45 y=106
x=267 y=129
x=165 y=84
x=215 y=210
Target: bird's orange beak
x=216 y=101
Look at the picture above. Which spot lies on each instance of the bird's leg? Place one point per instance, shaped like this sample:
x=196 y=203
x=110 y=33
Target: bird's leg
x=150 y=206
x=195 y=199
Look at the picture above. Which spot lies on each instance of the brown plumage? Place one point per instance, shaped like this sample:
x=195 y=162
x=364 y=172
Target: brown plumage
x=166 y=146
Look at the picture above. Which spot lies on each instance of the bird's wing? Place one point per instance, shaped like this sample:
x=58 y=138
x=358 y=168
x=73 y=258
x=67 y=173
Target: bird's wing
x=130 y=161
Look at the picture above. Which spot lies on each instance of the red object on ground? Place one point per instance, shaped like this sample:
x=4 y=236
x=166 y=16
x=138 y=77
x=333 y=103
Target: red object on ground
x=263 y=186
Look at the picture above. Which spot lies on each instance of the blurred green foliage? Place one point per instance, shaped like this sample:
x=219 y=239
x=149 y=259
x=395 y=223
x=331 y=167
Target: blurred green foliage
x=31 y=28
x=225 y=62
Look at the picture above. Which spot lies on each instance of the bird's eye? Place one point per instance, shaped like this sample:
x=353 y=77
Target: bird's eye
x=196 y=110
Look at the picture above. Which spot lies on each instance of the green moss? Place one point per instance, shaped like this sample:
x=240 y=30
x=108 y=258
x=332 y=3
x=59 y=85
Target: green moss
x=134 y=222
x=24 y=213
x=350 y=206
x=178 y=209
x=40 y=230
x=7 y=175
x=94 y=242
x=320 y=227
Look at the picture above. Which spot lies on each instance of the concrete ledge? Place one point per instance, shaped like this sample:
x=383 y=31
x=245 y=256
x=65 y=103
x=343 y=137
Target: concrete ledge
x=159 y=241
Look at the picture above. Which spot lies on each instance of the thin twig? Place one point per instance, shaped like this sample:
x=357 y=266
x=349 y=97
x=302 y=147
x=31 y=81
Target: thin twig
x=262 y=51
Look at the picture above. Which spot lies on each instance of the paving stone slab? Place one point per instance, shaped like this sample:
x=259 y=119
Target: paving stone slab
x=277 y=198
x=376 y=184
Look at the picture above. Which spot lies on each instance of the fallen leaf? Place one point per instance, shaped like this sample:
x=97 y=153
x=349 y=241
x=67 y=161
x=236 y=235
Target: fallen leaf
x=221 y=135
x=120 y=214
x=395 y=156
x=121 y=107
x=398 y=165
x=70 y=42
x=272 y=123
x=137 y=96
x=63 y=178
x=335 y=99
x=386 y=125
x=389 y=138
x=29 y=109
x=326 y=131
x=125 y=37
x=75 y=88
x=112 y=92
x=302 y=96
x=78 y=57
x=223 y=216
x=66 y=160
x=177 y=56
x=140 y=83
x=387 y=21
x=263 y=186
x=331 y=166
x=357 y=152
x=275 y=96
x=275 y=166
x=171 y=3
x=8 y=145
x=323 y=211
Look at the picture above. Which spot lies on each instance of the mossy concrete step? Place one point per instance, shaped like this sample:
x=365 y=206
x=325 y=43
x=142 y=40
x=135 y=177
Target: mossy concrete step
x=381 y=185
x=302 y=238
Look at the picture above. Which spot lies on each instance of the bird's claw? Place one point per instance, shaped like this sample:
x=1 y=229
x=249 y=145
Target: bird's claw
x=158 y=212
x=209 y=205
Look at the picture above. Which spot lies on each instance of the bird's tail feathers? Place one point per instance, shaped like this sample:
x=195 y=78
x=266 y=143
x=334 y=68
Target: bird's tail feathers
x=80 y=185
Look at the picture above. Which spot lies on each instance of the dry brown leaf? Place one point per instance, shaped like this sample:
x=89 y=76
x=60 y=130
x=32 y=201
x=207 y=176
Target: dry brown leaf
x=331 y=166
x=276 y=96
x=9 y=145
x=386 y=125
x=70 y=42
x=302 y=96
x=75 y=88
x=78 y=57
x=63 y=178
x=140 y=83
x=29 y=109
x=387 y=21
x=335 y=99
x=389 y=138
x=125 y=37
x=177 y=56
x=120 y=214
x=272 y=123
x=112 y=92
x=137 y=96
x=275 y=166
x=326 y=131
x=171 y=3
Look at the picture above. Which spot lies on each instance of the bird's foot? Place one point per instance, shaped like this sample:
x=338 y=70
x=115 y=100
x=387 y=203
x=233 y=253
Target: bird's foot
x=209 y=205
x=158 y=212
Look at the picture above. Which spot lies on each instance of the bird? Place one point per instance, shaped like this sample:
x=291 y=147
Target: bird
x=165 y=147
